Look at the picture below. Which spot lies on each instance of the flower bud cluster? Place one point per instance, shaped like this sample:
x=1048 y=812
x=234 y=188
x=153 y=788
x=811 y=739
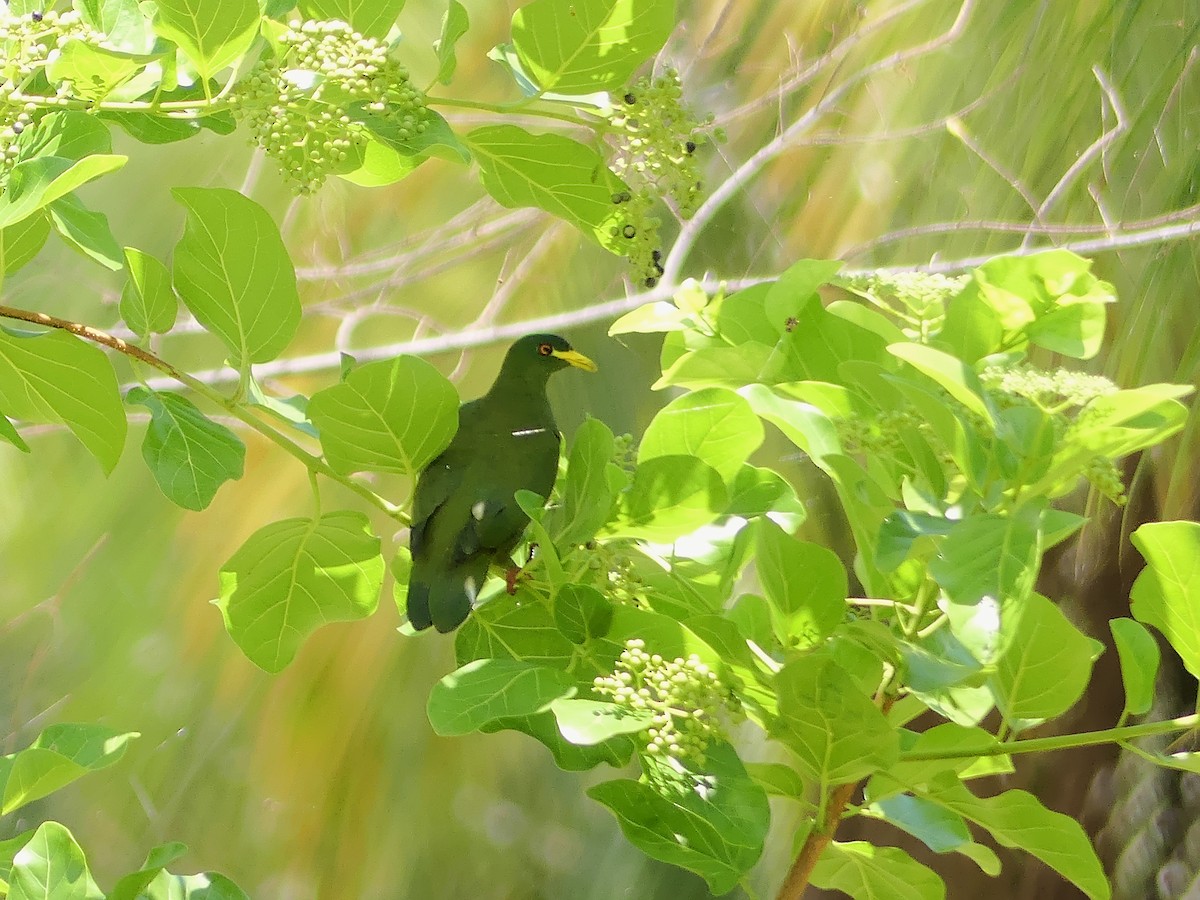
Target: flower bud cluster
x=684 y=696
x=917 y=298
x=304 y=104
x=1102 y=473
x=1053 y=392
x=878 y=435
x=612 y=571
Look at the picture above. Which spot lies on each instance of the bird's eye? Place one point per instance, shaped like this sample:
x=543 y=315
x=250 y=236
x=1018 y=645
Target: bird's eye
x=545 y=349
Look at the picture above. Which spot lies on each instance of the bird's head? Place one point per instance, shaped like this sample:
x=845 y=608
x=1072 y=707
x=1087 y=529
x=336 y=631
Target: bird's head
x=536 y=357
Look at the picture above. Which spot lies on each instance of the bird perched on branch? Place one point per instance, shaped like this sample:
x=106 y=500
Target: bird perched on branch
x=464 y=514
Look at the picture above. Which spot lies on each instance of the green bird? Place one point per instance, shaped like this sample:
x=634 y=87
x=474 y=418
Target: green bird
x=464 y=513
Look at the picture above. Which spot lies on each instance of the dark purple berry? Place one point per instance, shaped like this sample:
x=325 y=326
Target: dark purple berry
x=630 y=99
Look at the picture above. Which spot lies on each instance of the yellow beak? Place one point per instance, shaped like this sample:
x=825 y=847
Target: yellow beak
x=578 y=360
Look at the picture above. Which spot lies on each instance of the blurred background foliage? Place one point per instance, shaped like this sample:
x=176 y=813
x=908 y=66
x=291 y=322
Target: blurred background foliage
x=326 y=781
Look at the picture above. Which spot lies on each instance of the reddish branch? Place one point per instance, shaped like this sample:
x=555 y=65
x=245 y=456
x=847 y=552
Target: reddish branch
x=92 y=334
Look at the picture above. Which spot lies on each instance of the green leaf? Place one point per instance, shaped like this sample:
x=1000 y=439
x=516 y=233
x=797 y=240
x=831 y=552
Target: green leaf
x=86 y=230
x=837 y=733
x=148 y=304
x=60 y=754
x=22 y=242
x=936 y=827
x=502 y=629
x=1018 y=819
x=10 y=434
x=987 y=564
x=489 y=689
x=777 y=779
x=36 y=183
x=233 y=272
x=590 y=45
x=1046 y=667
x=121 y=22
x=190 y=455
x=393 y=415
x=93 y=71
x=554 y=173
x=153 y=882
x=670 y=496
x=52 y=867
x=454 y=25
x=712 y=823
x=371 y=18
x=542 y=727
x=959 y=380
x=1167 y=592
x=795 y=289
x=863 y=870
x=757 y=491
x=293 y=576
x=1139 y=655
x=582 y=613
x=651 y=318
x=730 y=367
x=66 y=134
x=714 y=425
x=589 y=722
x=586 y=491
x=804 y=583
x=213 y=33
x=56 y=377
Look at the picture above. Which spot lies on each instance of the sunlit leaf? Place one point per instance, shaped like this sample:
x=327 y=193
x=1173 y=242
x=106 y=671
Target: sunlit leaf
x=234 y=273
x=454 y=25
x=837 y=733
x=292 y=577
x=1139 y=655
x=714 y=425
x=394 y=415
x=805 y=584
x=1167 y=592
x=371 y=18
x=554 y=173
x=56 y=377
x=190 y=455
x=670 y=497
x=590 y=45
x=60 y=755
x=488 y=689
x=147 y=302
x=712 y=823
x=861 y=869
x=34 y=184
x=86 y=230
x=958 y=379
x=51 y=866
x=1018 y=819
x=213 y=33
x=590 y=722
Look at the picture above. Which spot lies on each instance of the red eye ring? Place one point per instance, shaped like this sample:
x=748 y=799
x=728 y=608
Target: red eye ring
x=545 y=349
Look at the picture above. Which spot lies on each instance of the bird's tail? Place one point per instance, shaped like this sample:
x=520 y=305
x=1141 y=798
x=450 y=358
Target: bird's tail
x=443 y=599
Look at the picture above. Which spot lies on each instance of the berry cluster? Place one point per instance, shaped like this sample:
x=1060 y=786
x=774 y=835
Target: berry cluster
x=684 y=696
x=625 y=452
x=878 y=435
x=656 y=140
x=26 y=41
x=305 y=105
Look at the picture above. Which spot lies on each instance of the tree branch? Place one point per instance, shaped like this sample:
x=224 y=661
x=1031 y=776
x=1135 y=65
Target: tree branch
x=312 y=462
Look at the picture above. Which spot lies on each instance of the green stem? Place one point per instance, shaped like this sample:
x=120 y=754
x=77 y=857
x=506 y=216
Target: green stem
x=194 y=106
x=504 y=109
x=1066 y=741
